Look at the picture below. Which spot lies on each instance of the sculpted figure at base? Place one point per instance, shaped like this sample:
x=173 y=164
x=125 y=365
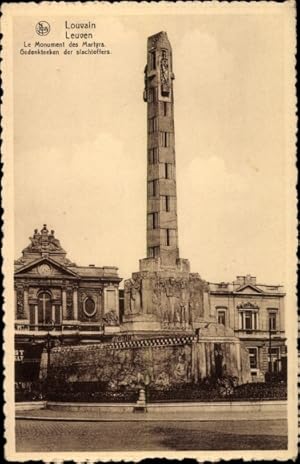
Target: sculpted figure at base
x=133 y=297
x=173 y=298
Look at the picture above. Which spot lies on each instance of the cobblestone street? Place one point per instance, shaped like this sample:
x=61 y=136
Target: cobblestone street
x=35 y=435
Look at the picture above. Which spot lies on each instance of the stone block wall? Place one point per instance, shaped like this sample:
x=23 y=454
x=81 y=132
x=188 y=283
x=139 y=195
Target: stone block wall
x=128 y=368
x=162 y=362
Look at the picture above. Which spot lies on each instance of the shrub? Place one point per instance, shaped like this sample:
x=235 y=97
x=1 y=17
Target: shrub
x=29 y=391
x=209 y=389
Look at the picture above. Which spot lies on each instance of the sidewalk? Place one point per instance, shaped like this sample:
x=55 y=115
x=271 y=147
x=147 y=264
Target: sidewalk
x=101 y=416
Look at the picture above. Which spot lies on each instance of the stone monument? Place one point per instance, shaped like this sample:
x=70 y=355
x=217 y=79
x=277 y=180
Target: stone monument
x=164 y=295
x=168 y=335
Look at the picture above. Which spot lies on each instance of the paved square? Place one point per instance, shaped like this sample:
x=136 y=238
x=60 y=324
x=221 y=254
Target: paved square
x=35 y=435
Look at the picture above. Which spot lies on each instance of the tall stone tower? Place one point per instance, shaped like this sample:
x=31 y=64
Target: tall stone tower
x=164 y=295
x=162 y=229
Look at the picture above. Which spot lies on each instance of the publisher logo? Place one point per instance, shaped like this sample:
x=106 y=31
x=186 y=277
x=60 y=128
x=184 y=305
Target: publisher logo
x=42 y=28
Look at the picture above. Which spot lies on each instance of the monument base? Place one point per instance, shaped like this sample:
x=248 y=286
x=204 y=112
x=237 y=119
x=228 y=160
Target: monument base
x=165 y=298
x=158 y=360
x=140 y=323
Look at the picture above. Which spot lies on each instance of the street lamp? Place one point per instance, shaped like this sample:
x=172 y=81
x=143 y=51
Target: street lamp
x=270 y=348
x=48 y=348
x=146 y=383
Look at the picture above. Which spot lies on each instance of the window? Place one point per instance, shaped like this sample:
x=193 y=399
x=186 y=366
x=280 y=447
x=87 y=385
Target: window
x=274 y=361
x=167 y=171
x=169 y=237
x=152 y=155
x=152 y=60
x=166 y=203
x=272 y=326
x=152 y=188
x=89 y=307
x=152 y=125
x=221 y=316
x=253 y=358
x=165 y=139
x=153 y=252
x=44 y=308
x=153 y=221
x=248 y=320
x=165 y=108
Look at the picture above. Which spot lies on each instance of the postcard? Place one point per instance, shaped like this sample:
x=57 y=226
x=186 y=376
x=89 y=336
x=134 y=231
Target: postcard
x=150 y=232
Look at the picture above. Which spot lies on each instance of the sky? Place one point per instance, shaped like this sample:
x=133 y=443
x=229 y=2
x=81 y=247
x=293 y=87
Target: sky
x=80 y=143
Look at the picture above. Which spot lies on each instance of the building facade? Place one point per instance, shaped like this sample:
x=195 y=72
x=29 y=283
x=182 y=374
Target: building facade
x=52 y=292
x=256 y=314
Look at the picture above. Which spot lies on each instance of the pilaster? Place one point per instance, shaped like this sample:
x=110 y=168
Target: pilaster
x=75 y=303
x=64 y=303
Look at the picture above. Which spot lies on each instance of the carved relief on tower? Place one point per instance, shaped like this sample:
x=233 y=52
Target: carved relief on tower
x=133 y=295
x=154 y=39
x=164 y=73
x=176 y=301
x=198 y=288
x=145 y=93
x=169 y=300
x=175 y=308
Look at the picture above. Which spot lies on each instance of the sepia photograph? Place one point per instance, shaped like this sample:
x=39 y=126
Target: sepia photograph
x=149 y=247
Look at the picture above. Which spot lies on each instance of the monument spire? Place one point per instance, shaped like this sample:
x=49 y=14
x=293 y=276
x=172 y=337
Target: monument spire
x=164 y=294
x=162 y=229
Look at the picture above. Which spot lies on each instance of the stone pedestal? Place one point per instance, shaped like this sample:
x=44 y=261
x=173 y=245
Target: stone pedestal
x=111 y=329
x=140 y=323
x=160 y=298
x=141 y=402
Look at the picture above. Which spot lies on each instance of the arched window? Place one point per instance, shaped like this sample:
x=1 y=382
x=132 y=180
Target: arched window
x=44 y=308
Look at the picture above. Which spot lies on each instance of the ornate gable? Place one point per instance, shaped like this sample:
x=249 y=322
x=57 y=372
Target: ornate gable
x=248 y=289
x=45 y=267
x=250 y=305
x=43 y=244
